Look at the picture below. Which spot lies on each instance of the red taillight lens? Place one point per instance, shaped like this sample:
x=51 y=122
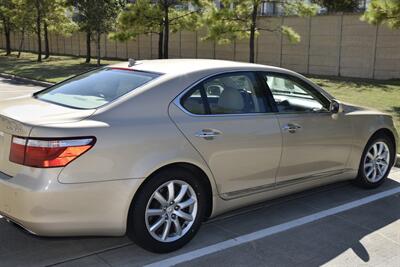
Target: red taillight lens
x=17 y=151
x=48 y=153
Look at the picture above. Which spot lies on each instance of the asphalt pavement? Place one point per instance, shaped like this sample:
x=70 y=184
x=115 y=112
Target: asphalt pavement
x=334 y=225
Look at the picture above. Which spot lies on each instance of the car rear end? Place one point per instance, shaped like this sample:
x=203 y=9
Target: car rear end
x=40 y=137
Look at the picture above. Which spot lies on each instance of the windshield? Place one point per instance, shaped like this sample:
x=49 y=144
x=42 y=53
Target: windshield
x=95 y=88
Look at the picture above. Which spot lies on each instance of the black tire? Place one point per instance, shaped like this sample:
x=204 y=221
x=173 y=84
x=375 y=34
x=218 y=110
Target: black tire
x=362 y=179
x=136 y=227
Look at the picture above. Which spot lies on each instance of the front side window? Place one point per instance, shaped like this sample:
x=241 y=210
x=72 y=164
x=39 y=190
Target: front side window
x=233 y=93
x=95 y=88
x=292 y=95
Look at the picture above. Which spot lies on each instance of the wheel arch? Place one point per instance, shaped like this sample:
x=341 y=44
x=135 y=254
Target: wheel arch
x=199 y=173
x=385 y=132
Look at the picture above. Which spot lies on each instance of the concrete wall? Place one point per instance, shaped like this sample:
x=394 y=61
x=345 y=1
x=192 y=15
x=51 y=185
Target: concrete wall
x=338 y=45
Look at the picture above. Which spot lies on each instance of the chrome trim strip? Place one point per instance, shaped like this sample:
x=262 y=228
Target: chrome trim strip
x=264 y=188
x=177 y=100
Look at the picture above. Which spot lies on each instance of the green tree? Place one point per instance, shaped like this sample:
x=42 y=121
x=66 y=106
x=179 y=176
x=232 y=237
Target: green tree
x=95 y=17
x=238 y=19
x=158 y=17
x=383 y=11
x=338 y=5
x=7 y=9
x=56 y=19
x=48 y=14
x=23 y=20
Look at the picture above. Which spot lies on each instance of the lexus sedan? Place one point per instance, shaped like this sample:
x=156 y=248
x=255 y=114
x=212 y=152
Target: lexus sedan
x=154 y=148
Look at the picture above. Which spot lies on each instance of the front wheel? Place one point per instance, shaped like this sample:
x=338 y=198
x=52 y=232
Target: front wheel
x=168 y=211
x=376 y=162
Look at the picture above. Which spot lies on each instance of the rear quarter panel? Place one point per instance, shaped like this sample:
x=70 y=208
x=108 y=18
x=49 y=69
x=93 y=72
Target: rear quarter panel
x=134 y=138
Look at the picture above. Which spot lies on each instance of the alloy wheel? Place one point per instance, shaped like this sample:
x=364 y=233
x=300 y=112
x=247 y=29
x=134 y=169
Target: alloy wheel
x=376 y=162
x=171 y=211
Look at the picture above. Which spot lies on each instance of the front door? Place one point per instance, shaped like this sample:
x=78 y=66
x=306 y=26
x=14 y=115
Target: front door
x=228 y=121
x=315 y=142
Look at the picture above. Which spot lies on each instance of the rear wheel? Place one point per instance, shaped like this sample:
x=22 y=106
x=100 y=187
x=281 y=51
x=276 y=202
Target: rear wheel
x=168 y=211
x=376 y=162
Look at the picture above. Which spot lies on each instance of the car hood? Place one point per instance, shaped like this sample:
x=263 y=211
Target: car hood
x=352 y=109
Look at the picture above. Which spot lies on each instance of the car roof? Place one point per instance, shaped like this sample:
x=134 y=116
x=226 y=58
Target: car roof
x=182 y=66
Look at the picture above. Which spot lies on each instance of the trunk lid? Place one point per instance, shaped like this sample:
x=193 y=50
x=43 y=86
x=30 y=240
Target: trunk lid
x=19 y=116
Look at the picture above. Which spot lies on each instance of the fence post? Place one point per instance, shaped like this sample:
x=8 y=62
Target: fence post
x=281 y=45
x=105 y=47
x=309 y=45
x=180 y=44
x=79 y=44
x=339 y=57
x=234 y=49
x=214 y=49
x=374 y=48
x=138 y=46
x=197 y=40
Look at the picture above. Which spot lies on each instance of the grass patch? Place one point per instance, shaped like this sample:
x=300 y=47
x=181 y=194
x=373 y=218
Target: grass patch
x=381 y=95
x=54 y=69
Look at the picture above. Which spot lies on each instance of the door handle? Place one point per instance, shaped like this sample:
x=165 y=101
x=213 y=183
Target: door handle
x=291 y=127
x=208 y=133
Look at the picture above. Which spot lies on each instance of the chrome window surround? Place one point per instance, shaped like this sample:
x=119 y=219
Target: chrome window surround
x=177 y=100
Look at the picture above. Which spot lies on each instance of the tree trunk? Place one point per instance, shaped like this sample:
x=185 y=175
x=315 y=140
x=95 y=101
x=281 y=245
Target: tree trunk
x=8 y=38
x=38 y=30
x=253 y=33
x=46 y=41
x=98 y=48
x=166 y=29
x=21 y=43
x=88 y=48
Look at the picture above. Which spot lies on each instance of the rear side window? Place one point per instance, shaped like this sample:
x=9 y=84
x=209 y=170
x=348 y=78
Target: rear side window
x=232 y=93
x=96 y=88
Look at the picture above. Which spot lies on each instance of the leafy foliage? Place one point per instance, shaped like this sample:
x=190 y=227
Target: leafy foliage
x=96 y=15
x=383 y=11
x=156 y=17
x=237 y=19
x=7 y=9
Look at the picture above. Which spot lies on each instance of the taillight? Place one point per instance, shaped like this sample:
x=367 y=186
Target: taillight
x=48 y=153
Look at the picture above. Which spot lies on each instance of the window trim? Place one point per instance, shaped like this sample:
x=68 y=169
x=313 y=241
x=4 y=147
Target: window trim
x=320 y=97
x=183 y=95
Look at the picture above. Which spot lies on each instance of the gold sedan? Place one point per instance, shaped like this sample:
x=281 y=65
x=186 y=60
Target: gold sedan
x=153 y=148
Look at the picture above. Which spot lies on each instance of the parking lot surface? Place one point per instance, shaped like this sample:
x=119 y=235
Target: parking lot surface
x=10 y=88
x=334 y=225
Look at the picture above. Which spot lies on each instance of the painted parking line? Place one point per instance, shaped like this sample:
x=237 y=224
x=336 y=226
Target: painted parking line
x=185 y=257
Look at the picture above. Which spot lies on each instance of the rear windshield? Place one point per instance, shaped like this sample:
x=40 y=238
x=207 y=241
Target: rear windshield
x=95 y=88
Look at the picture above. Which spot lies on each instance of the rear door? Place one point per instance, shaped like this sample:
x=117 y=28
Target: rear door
x=227 y=120
x=315 y=142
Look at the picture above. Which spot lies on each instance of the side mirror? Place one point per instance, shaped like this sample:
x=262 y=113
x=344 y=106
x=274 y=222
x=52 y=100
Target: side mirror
x=336 y=107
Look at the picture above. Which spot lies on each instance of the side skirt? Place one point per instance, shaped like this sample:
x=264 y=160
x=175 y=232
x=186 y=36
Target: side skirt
x=264 y=188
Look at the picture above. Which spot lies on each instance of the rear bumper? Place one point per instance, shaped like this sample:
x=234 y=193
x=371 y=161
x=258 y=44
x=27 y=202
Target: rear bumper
x=48 y=208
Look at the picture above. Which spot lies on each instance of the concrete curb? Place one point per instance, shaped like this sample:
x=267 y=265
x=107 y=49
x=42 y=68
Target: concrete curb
x=25 y=80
